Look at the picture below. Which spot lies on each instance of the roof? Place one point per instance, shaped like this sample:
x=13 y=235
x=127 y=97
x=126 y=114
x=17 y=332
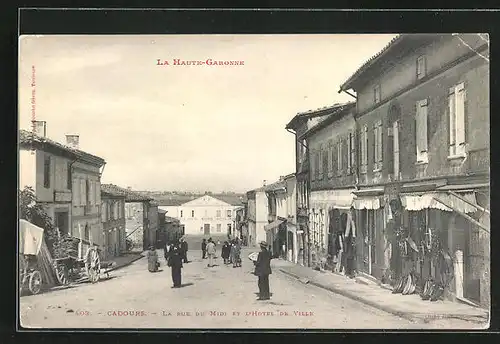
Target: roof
x=130 y=196
x=411 y=39
x=339 y=113
x=310 y=114
x=29 y=139
x=162 y=211
x=230 y=199
x=275 y=186
x=171 y=219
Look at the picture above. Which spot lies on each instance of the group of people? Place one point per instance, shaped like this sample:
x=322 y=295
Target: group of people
x=176 y=255
x=231 y=252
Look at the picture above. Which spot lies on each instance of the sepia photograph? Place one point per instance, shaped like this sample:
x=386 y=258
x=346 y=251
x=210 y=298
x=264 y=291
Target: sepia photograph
x=254 y=181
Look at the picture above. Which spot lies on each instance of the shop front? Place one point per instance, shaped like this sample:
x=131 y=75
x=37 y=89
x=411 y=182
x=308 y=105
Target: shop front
x=435 y=242
x=370 y=223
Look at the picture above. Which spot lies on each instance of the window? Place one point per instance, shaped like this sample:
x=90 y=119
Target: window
x=218 y=213
x=69 y=181
x=87 y=232
x=376 y=94
x=219 y=227
x=456 y=103
x=331 y=158
x=364 y=149
x=83 y=195
x=395 y=148
x=104 y=212
x=181 y=213
x=312 y=163
x=229 y=213
x=115 y=210
x=421 y=131
x=339 y=156
x=377 y=146
x=229 y=228
x=46 y=172
x=320 y=162
x=421 y=67
x=351 y=153
x=192 y=213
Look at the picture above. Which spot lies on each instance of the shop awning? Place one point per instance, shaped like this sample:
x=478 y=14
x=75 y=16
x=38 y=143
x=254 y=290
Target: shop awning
x=370 y=203
x=439 y=200
x=337 y=199
x=273 y=224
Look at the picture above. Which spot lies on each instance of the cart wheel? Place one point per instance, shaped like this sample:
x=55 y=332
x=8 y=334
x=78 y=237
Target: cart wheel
x=62 y=274
x=93 y=275
x=35 y=282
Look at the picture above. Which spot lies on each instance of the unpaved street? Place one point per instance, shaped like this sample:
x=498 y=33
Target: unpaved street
x=219 y=297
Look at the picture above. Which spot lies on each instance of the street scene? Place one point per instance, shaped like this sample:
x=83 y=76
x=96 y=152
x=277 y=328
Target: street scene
x=244 y=185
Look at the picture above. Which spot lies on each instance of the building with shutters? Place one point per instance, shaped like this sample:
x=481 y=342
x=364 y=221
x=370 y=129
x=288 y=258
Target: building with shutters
x=113 y=222
x=422 y=117
x=67 y=181
x=333 y=177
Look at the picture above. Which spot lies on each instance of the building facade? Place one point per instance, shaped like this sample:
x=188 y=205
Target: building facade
x=113 y=222
x=257 y=217
x=66 y=180
x=207 y=216
x=422 y=114
x=333 y=178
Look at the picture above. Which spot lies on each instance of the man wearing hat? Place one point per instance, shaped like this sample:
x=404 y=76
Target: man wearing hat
x=263 y=270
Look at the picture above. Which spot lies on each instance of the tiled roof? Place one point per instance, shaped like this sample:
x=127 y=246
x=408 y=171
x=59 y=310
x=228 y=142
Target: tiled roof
x=346 y=85
x=29 y=139
x=171 y=219
x=230 y=199
x=162 y=211
x=338 y=113
x=301 y=116
x=130 y=196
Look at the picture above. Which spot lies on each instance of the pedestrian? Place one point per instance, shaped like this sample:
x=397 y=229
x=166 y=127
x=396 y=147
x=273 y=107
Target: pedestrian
x=226 y=251
x=204 y=249
x=263 y=270
x=231 y=253
x=237 y=253
x=211 y=252
x=153 y=263
x=184 y=250
x=175 y=263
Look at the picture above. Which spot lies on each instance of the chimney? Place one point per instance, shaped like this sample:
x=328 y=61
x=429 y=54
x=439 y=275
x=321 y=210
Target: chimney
x=129 y=188
x=73 y=141
x=264 y=182
x=282 y=178
x=39 y=128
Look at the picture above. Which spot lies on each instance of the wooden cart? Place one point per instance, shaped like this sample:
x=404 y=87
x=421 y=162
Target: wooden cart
x=30 y=240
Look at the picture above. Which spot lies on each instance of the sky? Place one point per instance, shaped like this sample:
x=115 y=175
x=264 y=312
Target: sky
x=186 y=128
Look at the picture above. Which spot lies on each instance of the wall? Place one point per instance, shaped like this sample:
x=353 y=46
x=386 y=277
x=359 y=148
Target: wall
x=291 y=199
x=114 y=225
x=403 y=74
x=207 y=215
x=261 y=216
x=475 y=73
x=326 y=139
x=27 y=169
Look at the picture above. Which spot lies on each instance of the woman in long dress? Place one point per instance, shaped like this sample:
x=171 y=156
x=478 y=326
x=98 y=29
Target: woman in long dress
x=152 y=260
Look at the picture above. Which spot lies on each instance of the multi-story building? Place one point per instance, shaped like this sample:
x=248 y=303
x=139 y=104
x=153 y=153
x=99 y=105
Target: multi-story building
x=298 y=126
x=66 y=180
x=333 y=176
x=141 y=222
x=207 y=216
x=276 y=228
x=113 y=221
x=422 y=113
x=257 y=215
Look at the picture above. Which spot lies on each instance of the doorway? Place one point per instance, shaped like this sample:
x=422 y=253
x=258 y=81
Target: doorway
x=62 y=222
x=206 y=229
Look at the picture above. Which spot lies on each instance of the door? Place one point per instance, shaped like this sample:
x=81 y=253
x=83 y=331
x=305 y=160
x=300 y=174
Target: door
x=62 y=222
x=206 y=228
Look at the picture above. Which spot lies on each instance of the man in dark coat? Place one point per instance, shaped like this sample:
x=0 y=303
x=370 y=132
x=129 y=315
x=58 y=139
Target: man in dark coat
x=204 y=249
x=184 y=249
x=263 y=270
x=175 y=263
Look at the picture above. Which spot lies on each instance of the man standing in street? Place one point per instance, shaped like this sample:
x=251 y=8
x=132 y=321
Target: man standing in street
x=211 y=252
x=184 y=249
x=263 y=270
x=204 y=249
x=175 y=263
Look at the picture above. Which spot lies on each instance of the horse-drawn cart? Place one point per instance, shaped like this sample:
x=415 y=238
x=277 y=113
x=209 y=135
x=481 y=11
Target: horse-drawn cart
x=72 y=269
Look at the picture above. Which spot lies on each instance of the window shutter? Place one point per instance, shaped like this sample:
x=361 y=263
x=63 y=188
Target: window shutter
x=460 y=117
x=395 y=144
x=339 y=156
x=423 y=113
x=75 y=190
x=82 y=192
x=375 y=141
x=379 y=145
x=451 y=107
x=312 y=164
x=98 y=193
x=348 y=152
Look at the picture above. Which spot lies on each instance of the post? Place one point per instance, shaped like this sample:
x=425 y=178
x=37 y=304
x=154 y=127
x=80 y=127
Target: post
x=459 y=273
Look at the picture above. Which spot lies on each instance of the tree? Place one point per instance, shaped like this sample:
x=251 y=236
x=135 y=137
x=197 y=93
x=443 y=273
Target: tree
x=32 y=211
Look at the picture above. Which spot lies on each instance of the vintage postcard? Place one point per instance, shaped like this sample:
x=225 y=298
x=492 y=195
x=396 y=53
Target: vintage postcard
x=333 y=181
